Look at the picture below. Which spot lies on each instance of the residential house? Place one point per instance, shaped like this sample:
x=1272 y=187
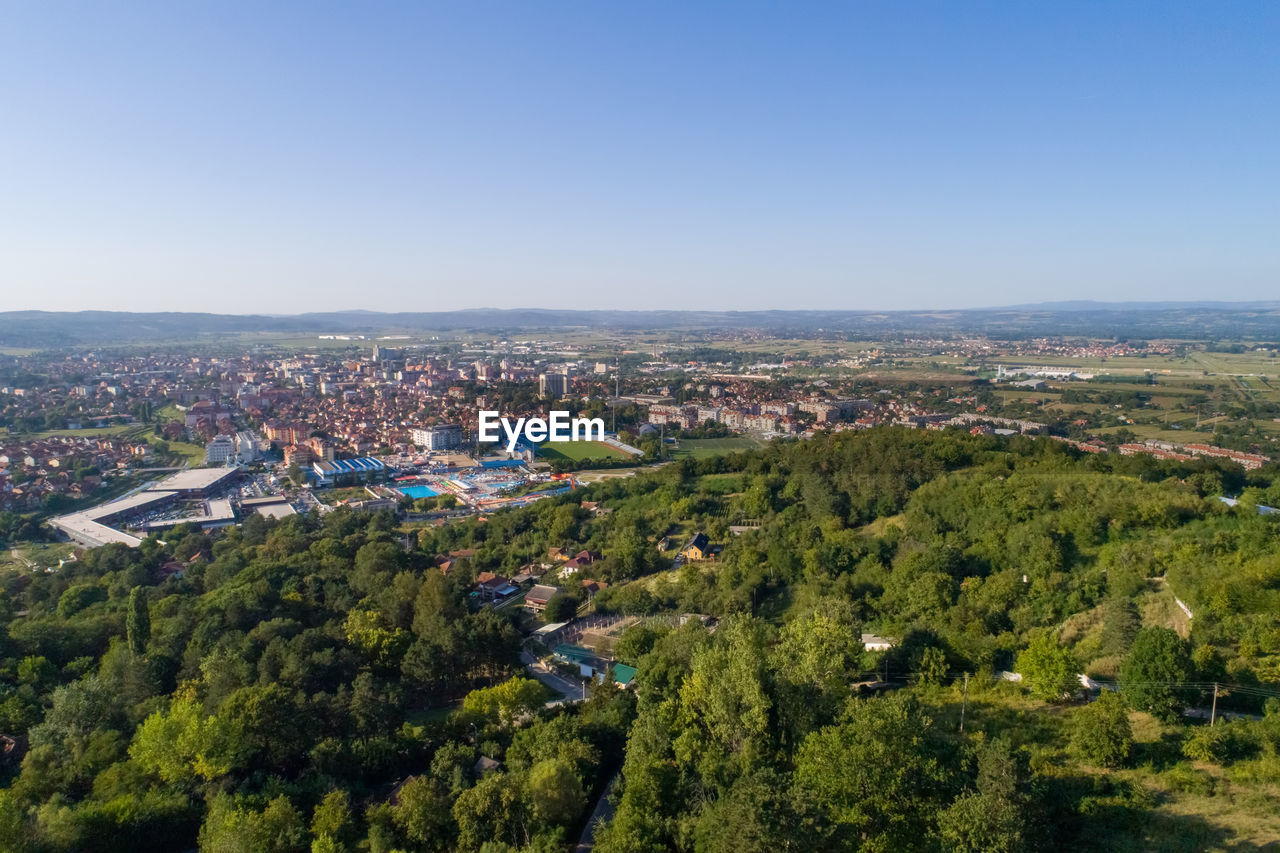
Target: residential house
x=580 y=560
x=492 y=587
x=873 y=643
x=537 y=597
x=698 y=547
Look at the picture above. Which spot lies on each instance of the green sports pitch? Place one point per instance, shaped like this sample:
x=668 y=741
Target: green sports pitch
x=698 y=448
x=578 y=451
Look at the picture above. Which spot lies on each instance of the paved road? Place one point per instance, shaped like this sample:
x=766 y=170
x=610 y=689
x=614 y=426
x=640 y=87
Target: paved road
x=568 y=690
x=600 y=814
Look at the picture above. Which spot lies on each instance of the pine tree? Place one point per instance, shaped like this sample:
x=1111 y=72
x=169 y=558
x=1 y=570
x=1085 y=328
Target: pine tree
x=138 y=625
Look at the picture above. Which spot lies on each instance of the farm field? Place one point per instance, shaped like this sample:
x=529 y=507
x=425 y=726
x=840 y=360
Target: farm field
x=1160 y=433
x=1193 y=364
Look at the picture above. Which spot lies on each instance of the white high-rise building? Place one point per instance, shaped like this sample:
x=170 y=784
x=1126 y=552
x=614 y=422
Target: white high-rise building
x=218 y=451
x=438 y=437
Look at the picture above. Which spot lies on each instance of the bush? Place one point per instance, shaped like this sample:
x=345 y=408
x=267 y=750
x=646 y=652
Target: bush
x=1188 y=780
x=1100 y=731
x=1218 y=744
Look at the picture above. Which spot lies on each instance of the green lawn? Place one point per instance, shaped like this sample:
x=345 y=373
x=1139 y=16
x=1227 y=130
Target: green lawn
x=194 y=452
x=170 y=412
x=698 y=448
x=577 y=451
x=90 y=432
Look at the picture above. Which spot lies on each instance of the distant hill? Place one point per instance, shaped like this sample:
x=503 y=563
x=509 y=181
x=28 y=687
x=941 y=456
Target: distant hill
x=1094 y=305
x=1188 y=320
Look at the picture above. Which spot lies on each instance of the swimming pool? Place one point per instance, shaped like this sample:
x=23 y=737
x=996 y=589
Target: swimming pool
x=418 y=491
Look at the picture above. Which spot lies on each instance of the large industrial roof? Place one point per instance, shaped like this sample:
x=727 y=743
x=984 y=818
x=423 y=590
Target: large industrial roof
x=220 y=510
x=193 y=480
x=275 y=510
x=132 y=503
x=86 y=531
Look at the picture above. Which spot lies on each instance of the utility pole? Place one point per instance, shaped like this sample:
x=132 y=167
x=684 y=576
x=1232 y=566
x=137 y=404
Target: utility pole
x=1213 y=712
x=964 y=701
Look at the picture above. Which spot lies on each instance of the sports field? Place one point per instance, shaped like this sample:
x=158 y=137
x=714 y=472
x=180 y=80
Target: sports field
x=577 y=451
x=698 y=448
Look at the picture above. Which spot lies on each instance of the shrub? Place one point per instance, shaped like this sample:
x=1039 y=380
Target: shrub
x=1100 y=732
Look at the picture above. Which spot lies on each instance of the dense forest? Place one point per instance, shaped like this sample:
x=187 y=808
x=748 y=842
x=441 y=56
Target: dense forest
x=317 y=683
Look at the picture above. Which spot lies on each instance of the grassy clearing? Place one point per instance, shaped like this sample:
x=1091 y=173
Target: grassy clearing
x=881 y=525
x=1159 y=609
x=332 y=497
x=170 y=412
x=194 y=453
x=1160 y=433
x=30 y=556
x=721 y=484
x=126 y=430
x=1173 y=804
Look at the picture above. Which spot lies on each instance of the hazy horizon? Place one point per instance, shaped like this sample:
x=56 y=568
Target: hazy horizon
x=249 y=159
x=1065 y=306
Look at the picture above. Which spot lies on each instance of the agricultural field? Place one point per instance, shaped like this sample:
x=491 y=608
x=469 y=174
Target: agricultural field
x=721 y=484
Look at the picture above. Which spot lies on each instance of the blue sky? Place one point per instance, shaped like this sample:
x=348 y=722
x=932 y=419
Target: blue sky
x=278 y=157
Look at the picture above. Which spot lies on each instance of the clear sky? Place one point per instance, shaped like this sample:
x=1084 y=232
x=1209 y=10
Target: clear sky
x=248 y=157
